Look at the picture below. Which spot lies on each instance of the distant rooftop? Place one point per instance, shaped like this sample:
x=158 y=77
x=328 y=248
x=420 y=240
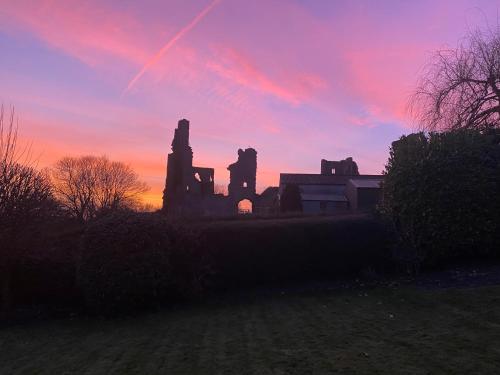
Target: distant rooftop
x=370 y=184
x=323 y=197
x=319 y=179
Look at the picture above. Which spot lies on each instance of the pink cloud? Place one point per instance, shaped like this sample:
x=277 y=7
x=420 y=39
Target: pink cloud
x=98 y=35
x=86 y=30
x=293 y=88
x=360 y=121
x=172 y=41
x=272 y=75
x=383 y=77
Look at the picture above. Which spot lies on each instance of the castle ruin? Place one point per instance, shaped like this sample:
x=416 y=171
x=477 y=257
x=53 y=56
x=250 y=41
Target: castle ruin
x=189 y=190
x=346 y=167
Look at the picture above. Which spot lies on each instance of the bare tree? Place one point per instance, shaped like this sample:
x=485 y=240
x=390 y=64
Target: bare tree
x=87 y=185
x=460 y=87
x=25 y=198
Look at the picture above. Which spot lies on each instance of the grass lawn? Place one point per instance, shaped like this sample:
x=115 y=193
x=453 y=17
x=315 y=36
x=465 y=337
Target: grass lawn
x=381 y=331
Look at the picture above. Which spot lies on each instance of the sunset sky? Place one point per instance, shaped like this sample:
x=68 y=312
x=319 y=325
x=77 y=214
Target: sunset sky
x=298 y=80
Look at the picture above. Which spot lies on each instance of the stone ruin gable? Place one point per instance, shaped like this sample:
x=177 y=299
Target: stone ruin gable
x=185 y=185
x=204 y=181
x=243 y=176
x=346 y=167
x=179 y=167
x=189 y=190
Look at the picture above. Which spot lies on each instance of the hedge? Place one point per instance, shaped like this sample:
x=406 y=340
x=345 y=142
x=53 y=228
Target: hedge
x=441 y=194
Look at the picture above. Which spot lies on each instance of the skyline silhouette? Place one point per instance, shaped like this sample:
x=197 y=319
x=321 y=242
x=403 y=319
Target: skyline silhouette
x=320 y=80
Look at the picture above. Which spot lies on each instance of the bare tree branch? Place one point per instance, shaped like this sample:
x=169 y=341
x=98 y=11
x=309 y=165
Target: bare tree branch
x=87 y=185
x=25 y=199
x=460 y=87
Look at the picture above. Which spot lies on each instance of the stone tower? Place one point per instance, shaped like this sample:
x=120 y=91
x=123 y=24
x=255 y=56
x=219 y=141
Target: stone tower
x=179 y=168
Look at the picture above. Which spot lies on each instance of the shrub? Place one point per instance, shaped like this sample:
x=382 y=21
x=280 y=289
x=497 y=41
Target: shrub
x=131 y=261
x=249 y=253
x=441 y=194
x=46 y=274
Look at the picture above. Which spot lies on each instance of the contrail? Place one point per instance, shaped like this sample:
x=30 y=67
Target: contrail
x=170 y=43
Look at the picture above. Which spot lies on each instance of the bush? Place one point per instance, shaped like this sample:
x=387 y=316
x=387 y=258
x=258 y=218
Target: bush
x=45 y=275
x=441 y=194
x=249 y=253
x=127 y=261
x=132 y=261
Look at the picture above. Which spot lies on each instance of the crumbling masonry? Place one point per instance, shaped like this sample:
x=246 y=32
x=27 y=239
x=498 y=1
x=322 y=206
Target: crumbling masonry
x=190 y=190
x=346 y=167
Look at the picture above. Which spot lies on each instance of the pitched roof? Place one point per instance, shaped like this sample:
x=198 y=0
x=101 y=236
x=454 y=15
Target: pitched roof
x=270 y=191
x=319 y=179
x=268 y=196
x=372 y=184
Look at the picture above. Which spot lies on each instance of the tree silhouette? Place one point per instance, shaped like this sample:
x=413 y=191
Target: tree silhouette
x=460 y=87
x=88 y=185
x=25 y=199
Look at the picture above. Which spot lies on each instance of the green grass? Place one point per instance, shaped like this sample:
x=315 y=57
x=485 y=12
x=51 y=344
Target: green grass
x=382 y=331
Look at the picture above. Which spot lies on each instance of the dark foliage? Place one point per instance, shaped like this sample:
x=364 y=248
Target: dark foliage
x=128 y=261
x=290 y=200
x=47 y=276
x=132 y=261
x=26 y=202
x=441 y=195
x=256 y=252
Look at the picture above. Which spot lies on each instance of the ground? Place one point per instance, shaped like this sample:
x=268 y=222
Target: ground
x=400 y=330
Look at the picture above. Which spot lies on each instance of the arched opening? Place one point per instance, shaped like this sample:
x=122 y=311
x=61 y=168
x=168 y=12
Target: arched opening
x=245 y=206
x=245 y=184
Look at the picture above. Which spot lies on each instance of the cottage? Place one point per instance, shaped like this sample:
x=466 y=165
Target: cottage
x=338 y=189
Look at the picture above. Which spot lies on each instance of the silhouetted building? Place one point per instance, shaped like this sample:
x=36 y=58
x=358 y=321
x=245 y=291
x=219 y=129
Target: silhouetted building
x=243 y=177
x=338 y=189
x=186 y=186
x=189 y=190
x=346 y=167
x=363 y=195
x=267 y=203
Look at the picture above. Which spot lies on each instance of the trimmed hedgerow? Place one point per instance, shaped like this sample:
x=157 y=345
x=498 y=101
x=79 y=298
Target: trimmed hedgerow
x=249 y=253
x=133 y=261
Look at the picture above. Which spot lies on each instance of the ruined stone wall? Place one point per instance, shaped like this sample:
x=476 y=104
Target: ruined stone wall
x=346 y=167
x=243 y=176
x=179 y=168
x=189 y=190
